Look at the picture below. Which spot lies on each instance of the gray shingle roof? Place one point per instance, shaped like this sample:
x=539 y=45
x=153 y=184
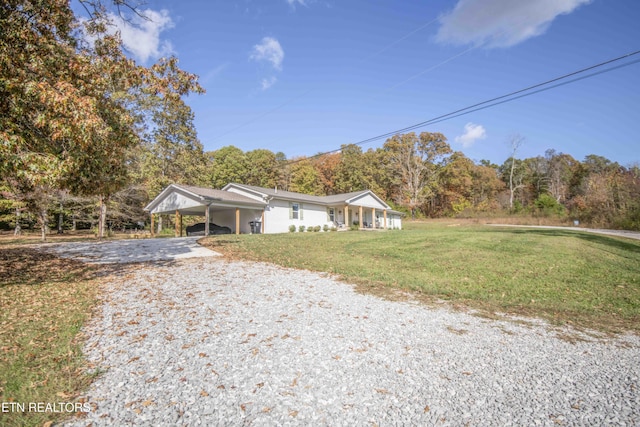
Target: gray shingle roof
x=290 y=195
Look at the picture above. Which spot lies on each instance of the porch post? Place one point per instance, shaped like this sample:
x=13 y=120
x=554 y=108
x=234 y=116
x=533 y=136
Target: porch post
x=152 y=226
x=206 y=220
x=262 y=223
x=237 y=220
x=360 y=215
x=177 y=224
x=180 y=225
x=385 y=219
x=373 y=217
x=346 y=216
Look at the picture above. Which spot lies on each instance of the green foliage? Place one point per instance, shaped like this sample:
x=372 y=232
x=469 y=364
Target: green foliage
x=301 y=228
x=547 y=205
x=305 y=178
x=292 y=228
x=317 y=228
x=325 y=228
x=226 y=165
x=263 y=168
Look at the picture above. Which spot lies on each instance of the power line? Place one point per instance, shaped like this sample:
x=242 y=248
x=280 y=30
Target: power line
x=511 y=96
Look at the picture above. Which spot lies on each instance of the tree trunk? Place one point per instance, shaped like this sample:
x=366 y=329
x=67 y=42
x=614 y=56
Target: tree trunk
x=511 y=189
x=516 y=141
x=43 y=223
x=60 y=220
x=17 y=231
x=102 y=221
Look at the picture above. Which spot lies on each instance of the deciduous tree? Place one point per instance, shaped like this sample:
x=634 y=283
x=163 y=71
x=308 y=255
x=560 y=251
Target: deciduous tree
x=417 y=161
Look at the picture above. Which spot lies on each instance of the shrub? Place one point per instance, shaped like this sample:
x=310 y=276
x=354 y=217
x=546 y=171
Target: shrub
x=547 y=205
x=334 y=228
x=301 y=228
x=292 y=228
x=316 y=228
x=325 y=228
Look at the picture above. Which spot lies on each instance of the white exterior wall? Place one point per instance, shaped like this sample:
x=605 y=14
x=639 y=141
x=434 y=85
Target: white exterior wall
x=175 y=201
x=277 y=216
x=395 y=221
x=227 y=218
x=367 y=201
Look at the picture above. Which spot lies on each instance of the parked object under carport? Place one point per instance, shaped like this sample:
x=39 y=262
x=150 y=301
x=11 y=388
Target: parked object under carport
x=256 y=227
x=198 y=229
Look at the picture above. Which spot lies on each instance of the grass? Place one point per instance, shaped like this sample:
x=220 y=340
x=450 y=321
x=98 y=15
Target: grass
x=44 y=301
x=566 y=277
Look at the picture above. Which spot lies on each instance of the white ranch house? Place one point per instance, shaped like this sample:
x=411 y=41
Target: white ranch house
x=236 y=205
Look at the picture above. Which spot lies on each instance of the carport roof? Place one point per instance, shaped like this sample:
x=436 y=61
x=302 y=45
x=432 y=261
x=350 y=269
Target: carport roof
x=200 y=197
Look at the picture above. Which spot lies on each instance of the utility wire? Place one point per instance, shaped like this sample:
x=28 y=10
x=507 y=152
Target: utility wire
x=495 y=101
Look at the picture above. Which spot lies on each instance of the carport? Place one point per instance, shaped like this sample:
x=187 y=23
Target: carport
x=222 y=207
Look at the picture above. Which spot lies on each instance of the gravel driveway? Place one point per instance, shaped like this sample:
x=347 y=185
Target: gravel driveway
x=208 y=342
x=130 y=250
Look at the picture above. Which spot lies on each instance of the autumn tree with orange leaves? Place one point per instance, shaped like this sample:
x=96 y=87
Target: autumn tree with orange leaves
x=71 y=102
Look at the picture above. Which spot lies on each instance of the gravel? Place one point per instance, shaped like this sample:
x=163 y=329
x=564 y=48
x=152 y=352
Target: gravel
x=207 y=342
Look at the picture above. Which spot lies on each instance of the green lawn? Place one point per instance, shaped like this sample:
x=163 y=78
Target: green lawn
x=564 y=276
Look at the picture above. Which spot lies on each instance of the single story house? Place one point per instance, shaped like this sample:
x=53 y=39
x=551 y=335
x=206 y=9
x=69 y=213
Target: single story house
x=237 y=205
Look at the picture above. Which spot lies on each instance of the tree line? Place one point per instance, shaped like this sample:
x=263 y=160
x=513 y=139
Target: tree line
x=89 y=137
x=421 y=175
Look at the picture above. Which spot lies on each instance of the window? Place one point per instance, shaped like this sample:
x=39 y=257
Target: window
x=295 y=211
x=332 y=215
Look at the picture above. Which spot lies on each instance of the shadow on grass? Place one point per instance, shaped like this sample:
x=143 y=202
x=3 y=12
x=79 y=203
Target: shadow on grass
x=24 y=266
x=600 y=239
x=28 y=266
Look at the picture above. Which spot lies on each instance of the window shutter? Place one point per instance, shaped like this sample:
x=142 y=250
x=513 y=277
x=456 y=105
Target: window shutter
x=300 y=212
x=290 y=210
x=328 y=216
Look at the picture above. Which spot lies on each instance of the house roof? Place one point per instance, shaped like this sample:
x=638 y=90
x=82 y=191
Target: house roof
x=201 y=197
x=189 y=199
x=293 y=196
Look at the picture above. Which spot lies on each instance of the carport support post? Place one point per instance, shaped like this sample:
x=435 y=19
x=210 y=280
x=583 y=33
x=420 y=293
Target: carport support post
x=237 y=220
x=206 y=220
x=385 y=219
x=178 y=224
x=373 y=217
x=152 y=226
x=262 y=223
x=360 y=215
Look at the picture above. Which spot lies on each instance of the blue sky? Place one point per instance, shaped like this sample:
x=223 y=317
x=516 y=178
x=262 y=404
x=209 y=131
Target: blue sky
x=305 y=76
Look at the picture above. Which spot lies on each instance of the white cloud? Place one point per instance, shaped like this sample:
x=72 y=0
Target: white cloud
x=269 y=50
x=267 y=83
x=472 y=133
x=141 y=36
x=293 y=3
x=501 y=23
